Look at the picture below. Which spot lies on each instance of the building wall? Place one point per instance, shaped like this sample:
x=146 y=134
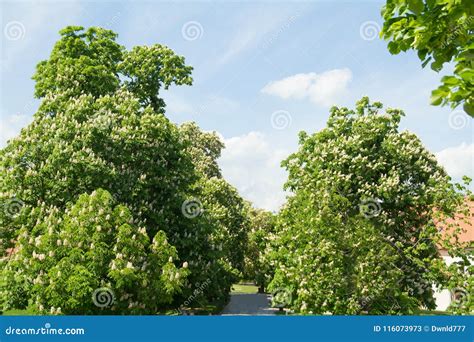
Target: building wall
x=443 y=297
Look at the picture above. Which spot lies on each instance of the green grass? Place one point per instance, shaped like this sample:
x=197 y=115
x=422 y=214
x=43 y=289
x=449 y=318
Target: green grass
x=210 y=309
x=18 y=312
x=432 y=313
x=240 y=288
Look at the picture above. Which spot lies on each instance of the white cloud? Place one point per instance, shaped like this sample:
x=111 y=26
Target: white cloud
x=324 y=89
x=252 y=165
x=458 y=161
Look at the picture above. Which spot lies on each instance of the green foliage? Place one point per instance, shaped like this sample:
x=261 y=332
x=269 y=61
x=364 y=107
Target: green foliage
x=100 y=125
x=222 y=208
x=258 y=262
x=204 y=147
x=92 y=62
x=461 y=285
x=80 y=63
x=359 y=234
x=147 y=68
x=110 y=143
x=224 y=205
x=460 y=274
x=93 y=244
x=441 y=32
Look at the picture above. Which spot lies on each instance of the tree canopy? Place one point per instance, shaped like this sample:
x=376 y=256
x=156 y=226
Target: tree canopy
x=100 y=148
x=258 y=262
x=441 y=31
x=110 y=208
x=359 y=234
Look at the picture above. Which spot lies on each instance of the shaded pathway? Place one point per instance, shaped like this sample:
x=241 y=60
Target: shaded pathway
x=249 y=304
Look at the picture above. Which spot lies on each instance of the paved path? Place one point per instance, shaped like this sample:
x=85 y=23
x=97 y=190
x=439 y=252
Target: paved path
x=249 y=304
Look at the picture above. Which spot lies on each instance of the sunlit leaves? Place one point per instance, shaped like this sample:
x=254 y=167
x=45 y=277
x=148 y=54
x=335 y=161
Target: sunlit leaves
x=358 y=235
x=440 y=32
x=101 y=125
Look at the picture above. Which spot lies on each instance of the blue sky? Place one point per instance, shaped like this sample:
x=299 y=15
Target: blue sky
x=263 y=71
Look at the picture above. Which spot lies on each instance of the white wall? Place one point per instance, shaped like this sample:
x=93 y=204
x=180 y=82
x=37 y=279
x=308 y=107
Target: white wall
x=443 y=297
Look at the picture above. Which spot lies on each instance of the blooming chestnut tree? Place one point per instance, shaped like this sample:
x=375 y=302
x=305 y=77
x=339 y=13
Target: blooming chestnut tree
x=91 y=131
x=360 y=232
x=100 y=125
x=93 y=244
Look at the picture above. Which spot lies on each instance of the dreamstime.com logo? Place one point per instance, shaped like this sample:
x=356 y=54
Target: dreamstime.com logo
x=192 y=208
x=458 y=119
x=46 y=330
x=281 y=119
x=369 y=30
x=14 y=30
x=192 y=30
x=196 y=293
x=460 y=296
x=281 y=297
x=13 y=207
x=103 y=297
x=370 y=207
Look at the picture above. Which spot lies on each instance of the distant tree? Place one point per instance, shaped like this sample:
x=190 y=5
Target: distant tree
x=258 y=265
x=441 y=31
x=222 y=207
x=360 y=233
